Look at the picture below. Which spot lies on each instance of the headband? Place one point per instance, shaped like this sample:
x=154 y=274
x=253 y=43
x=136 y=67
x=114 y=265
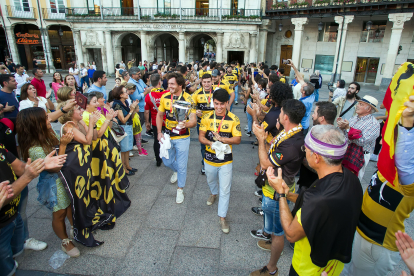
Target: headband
x=324 y=149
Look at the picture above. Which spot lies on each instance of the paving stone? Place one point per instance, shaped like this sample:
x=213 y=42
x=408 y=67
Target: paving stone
x=166 y=214
x=194 y=261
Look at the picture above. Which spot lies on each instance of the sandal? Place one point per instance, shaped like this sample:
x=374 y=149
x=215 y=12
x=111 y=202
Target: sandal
x=73 y=253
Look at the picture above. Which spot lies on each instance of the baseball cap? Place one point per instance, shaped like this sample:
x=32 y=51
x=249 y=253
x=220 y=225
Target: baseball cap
x=215 y=73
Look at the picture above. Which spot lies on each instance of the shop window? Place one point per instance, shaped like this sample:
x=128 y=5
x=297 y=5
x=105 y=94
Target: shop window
x=164 y=6
x=21 y=5
x=375 y=34
x=324 y=63
x=57 y=6
x=329 y=32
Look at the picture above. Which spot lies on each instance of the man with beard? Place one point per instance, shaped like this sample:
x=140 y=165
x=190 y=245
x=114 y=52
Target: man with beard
x=346 y=105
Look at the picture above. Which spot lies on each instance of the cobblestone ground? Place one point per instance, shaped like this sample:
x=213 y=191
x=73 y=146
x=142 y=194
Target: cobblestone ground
x=156 y=236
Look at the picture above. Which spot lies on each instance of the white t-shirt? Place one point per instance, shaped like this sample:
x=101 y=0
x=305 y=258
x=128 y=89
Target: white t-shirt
x=296 y=91
x=84 y=72
x=71 y=70
x=154 y=67
x=28 y=103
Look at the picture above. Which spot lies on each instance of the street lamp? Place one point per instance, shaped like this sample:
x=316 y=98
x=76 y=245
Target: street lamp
x=280 y=27
x=369 y=25
x=377 y=32
x=320 y=26
x=202 y=41
x=60 y=32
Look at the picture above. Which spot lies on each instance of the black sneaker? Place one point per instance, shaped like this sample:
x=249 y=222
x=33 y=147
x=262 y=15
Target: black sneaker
x=159 y=162
x=149 y=134
x=203 y=171
x=236 y=103
x=257 y=211
x=144 y=141
x=249 y=133
x=258 y=193
x=260 y=199
x=258 y=234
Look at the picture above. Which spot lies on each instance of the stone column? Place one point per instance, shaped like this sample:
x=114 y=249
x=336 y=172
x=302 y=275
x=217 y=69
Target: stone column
x=253 y=48
x=47 y=50
x=263 y=31
x=340 y=43
x=109 y=53
x=13 y=46
x=160 y=52
x=297 y=41
x=219 y=52
x=78 y=47
x=181 y=47
x=144 y=46
x=398 y=19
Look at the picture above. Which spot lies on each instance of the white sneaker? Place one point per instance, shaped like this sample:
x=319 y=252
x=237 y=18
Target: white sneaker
x=174 y=178
x=131 y=154
x=180 y=196
x=246 y=128
x=135 y=148
x=34 y=245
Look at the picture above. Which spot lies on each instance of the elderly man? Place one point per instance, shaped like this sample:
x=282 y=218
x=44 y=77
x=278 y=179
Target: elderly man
x=326 y=214
x=366 y=124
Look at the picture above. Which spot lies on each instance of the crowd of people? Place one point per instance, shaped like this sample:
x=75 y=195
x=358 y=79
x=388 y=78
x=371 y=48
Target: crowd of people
x=312 y=157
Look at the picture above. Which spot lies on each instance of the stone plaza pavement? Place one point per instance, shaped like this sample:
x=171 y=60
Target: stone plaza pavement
x=156 y=236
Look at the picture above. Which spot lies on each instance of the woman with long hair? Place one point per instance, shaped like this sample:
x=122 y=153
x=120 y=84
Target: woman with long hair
x=57 y=83
x=125 y=114
x=74 y=71
x=29 y=98
x=65 y=93
x=71 y=82
x=37 y=139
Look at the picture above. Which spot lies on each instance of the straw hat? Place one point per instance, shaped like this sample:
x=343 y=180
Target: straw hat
x=371 y=101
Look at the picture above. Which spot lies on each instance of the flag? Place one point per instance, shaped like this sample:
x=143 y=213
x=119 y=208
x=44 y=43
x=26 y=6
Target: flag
x=95 y=181
x=398 y=92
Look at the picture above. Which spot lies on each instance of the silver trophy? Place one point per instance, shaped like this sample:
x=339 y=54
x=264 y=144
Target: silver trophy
x=181 y=110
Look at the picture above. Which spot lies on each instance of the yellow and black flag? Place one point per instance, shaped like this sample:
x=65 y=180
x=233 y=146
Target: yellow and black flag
x=95 y=180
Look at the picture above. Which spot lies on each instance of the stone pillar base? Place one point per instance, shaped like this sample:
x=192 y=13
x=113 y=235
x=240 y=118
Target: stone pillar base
x=385 y=82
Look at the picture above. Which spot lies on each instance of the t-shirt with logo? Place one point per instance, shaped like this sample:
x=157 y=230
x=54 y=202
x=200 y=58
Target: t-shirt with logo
x=229 y=127
x=170 y=118
x=224 y=85
x=202 y=72
x=203 y=101
x=9 y=212
x=156 y=94
x=231 y=78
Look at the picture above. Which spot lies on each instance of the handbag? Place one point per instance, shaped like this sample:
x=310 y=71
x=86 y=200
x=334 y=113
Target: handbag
x=261 y=179
x=118 y=133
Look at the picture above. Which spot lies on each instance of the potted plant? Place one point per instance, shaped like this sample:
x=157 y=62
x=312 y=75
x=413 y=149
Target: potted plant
x=280 y=5
x=319 y=3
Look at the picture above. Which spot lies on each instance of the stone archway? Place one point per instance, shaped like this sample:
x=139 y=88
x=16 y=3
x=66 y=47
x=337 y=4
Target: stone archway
x=198 y=45
x=164 y=47
x=124 y=50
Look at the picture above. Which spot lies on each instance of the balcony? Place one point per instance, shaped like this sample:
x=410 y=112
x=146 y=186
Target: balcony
x=53 y=14
x=21 y=12
x=326 y=8
x=159 y=14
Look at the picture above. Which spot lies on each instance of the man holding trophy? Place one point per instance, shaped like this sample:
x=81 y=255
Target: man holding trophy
x=178 y=107
x=219 y=130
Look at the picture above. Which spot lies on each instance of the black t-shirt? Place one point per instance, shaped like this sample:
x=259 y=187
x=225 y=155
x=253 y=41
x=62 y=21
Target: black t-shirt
x=306 y=177
x=9 y=212
x=8 y=137
x=12 y=67
x=269 y=122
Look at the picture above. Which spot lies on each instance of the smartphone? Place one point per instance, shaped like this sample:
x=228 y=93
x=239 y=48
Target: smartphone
x=81 y=100
x=285 y=61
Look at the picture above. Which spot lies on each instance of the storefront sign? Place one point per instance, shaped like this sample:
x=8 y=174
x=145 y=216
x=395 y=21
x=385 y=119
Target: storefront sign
x=161 y=26
x=27 y=38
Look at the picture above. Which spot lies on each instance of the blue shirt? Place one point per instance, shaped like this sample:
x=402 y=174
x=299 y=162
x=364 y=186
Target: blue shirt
x=90 y=73
x=99 y=89
x=139 y=93
x=11 y=99
x=404 y=159
x=308 y=102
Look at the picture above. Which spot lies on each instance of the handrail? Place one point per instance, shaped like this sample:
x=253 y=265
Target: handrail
x=21 y=11
x=53 y=13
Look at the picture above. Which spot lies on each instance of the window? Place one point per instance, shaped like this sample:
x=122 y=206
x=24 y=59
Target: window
x=376 y=34
x=164 y=6
x=94 y=6
x=21 y=5
x=324 y=63
x=329 y=32
x=57 y=6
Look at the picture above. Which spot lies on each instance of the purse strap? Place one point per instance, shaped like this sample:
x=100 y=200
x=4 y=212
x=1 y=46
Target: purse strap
x=344 y=112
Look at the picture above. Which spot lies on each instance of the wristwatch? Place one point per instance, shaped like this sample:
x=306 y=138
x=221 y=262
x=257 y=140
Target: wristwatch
x=277 y=196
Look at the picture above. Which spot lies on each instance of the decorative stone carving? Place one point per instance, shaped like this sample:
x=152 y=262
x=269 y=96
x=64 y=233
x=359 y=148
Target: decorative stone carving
x=299 y=22
x=91 y=39
x=399 y=19
x=236 y=40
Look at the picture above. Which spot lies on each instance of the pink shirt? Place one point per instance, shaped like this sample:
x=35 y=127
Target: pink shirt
x=55 y=87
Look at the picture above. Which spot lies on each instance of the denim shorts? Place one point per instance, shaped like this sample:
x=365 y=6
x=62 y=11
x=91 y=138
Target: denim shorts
x=271 y=216
x=11 y=245
x=127 y=143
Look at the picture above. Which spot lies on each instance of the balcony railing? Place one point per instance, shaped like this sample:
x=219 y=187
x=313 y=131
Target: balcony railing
x=53 y=14
x=305 y=4
x=162 y=14
x=21 y=12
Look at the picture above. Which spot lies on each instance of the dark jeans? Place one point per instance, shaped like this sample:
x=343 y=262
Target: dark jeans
x=203 y=147
x=84 y=80
x=156 y=143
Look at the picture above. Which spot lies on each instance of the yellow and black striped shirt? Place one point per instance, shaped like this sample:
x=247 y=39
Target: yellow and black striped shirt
x=202 y=100
x=229 y=128
x=202 y=72
x=231 y=78
x=170 y=120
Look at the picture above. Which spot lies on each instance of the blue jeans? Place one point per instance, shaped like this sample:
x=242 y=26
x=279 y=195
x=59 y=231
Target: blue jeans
x=178 y=159
x=249 y=117
x=84 y=80
x=222 y=175
x=11 y=245
x=316 y=92
x=236 y=93
x=271 y=216
x=203 y=147
x=22 y=210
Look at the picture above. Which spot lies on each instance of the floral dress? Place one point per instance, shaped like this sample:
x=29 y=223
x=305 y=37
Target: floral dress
x=63 y=200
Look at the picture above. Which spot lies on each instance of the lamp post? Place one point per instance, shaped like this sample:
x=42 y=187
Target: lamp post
x=280 y=27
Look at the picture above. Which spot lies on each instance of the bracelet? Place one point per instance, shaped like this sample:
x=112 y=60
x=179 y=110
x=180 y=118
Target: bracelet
x=63 y=111
x=130 y=113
